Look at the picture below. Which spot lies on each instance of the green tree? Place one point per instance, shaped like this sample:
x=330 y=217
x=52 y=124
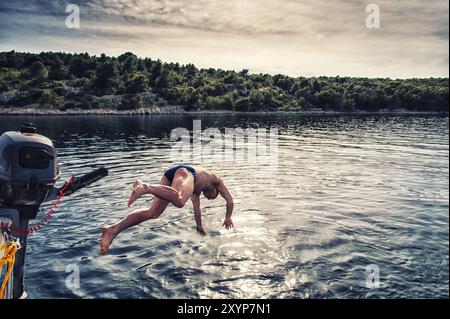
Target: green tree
x=57 y=70
x=137 y=83
x=209 y=88
x=106 y=77
x=77 y=67
x=130 y=64
x=38 y=70
x=348 y=102
x=48 y=99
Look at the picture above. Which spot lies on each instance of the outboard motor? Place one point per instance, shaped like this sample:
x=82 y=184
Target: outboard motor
x=29 y=170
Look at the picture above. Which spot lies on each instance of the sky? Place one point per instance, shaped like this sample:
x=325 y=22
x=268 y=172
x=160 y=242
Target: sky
x=293 y=37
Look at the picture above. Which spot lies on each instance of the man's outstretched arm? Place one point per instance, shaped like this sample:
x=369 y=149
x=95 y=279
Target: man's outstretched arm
x=225 y=193
x=198 y=214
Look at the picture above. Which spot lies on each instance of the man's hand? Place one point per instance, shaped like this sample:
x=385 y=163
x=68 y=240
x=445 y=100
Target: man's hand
x=201 y=231
x=228 y=223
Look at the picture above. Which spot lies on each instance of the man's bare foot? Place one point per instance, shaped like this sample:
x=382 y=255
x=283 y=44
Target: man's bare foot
x=137 y=192
x=107 y=238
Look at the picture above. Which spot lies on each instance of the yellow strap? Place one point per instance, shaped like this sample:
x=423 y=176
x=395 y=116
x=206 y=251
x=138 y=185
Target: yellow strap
x=9 y=259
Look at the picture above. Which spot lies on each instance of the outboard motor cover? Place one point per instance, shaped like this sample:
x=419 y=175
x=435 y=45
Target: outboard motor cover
x=29 y=168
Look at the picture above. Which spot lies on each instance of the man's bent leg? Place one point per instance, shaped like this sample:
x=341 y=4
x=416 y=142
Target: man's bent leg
x=134 y=218
x=180 y=191
x=141 y=215
x=183 y=184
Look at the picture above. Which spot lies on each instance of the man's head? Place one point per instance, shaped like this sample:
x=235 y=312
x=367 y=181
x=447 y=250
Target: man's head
x=211 y=192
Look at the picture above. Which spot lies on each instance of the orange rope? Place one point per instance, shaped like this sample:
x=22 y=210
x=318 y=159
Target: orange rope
x=8 y=259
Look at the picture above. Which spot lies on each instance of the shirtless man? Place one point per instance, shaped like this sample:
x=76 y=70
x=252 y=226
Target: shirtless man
x=177 y=185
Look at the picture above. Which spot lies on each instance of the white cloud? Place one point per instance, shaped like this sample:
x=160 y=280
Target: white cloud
x=296 y=37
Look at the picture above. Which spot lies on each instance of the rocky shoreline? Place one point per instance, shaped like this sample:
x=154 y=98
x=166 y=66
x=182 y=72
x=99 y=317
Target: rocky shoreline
x=78 y=111
x=153 y=111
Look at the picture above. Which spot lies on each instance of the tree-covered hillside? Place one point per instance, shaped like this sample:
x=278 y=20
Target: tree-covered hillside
x=62 y=80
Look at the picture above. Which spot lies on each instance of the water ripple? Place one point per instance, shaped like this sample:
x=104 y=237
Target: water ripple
x=348 y=192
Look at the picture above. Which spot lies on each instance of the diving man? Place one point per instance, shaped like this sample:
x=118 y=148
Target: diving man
x=177 y=185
